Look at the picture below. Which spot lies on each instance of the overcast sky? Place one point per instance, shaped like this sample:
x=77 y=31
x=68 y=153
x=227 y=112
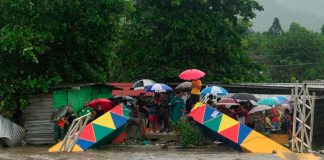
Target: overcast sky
x=308 y=13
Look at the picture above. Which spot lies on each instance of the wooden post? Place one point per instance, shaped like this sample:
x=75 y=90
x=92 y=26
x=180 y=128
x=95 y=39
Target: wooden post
x=303 y=116
x=312 y=120
x=294 y=140
x=71 y=137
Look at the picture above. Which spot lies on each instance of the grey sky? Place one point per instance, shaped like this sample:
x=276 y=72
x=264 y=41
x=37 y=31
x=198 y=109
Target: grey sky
x=308 y=13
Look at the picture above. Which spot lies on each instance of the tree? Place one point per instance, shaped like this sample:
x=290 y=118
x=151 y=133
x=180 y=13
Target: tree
x=165 y=37
x=322 y=29
x=275 y=29
x=43 y=43
x=297 y=54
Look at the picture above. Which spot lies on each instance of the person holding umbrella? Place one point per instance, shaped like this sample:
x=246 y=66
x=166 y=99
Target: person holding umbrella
x=195 y=91
x=195 y=75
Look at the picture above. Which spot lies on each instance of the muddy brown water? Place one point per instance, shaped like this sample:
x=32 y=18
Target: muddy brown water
x=40 y=153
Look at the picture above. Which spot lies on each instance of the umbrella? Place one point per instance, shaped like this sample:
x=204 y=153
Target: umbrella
x=227 y=101
x=185 y=86
x=157 y=88
x=191 y=74
x=127 y=98
x=141 y=84
x=244 y=97
x=105 y=103
x=282 y=99
x=259 y=108
x=218 y=91
x=59 y=113
x=268 y=101
x=282 y=107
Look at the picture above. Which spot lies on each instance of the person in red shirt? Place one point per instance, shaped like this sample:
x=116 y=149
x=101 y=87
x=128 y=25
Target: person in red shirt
x=60 y=129
x=275 y=119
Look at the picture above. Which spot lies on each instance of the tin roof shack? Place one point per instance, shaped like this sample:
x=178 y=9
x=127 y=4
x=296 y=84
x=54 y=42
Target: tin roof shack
x=37 y=116
x=77 y=94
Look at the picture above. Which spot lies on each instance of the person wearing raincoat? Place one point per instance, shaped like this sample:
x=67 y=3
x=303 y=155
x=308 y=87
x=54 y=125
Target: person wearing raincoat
x=178 y=107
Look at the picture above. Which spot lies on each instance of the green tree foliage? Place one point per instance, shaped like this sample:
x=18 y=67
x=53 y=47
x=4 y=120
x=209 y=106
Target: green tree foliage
x=43 y=43
x=322 y=29
x=295 y=54
x=165 y=37
x=275 y=29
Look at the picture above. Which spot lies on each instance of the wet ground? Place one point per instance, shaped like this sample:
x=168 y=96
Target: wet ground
x=40 y=153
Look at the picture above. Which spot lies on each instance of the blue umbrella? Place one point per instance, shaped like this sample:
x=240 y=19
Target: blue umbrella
x=268 y=101
x=157 y=88
x=218 y=91
x=282 y=99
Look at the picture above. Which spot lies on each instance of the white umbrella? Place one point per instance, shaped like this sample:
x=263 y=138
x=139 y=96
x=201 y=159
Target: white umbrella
x=260 y=108
x=141 y=84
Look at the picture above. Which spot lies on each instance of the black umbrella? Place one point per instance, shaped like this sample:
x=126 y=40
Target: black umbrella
x=59 y=113
x=185 y=86
x=244 y=97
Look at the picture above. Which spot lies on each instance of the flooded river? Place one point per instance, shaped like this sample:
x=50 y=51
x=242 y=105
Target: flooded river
x=40 y=153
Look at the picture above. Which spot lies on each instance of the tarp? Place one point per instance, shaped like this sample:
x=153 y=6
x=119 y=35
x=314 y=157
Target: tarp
x=11 y=134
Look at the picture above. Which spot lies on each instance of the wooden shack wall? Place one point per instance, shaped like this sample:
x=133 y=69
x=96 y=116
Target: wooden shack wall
x=37 y=118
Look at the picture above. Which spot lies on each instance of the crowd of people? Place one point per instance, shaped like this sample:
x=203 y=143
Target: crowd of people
x=157 y=113
x=266 y=122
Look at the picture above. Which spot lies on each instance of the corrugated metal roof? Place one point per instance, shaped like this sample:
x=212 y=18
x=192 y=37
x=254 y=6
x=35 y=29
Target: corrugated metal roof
x=78 y=85
x=10 y=133
x=126 y=91
x=289 y=85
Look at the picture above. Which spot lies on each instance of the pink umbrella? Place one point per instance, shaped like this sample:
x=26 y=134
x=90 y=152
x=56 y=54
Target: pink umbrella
x=228 y=102
x=191 y=74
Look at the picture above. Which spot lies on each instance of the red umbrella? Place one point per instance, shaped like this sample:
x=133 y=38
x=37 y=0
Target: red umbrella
x=191 y=74
x=227 y=101
x=105 y=103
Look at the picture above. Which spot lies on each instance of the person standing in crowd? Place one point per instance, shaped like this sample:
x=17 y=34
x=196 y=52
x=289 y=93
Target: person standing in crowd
x=178 y=107
x=287 y=122
x=70 y=116
x=268 y=124
x=164 y=112
x=210 y=100
x=232 y=113
x=242 y=114
x=195 y=93
x=142 y=111
x=60 y=128
x=152 y=105
x=99 y=111
x=275 y=119
x=87 y=109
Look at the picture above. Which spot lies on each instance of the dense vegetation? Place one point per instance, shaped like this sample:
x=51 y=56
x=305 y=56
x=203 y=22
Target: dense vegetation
x=297 y=54
x=47 y=43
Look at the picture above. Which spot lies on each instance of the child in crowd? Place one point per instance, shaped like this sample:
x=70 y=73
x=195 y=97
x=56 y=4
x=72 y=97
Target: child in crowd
x=153 y=113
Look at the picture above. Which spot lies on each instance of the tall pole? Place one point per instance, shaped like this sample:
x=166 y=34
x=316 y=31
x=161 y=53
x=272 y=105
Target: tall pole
x=294 y=141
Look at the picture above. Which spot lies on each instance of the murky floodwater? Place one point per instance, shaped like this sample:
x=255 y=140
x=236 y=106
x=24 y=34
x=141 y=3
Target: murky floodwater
x=40 y=153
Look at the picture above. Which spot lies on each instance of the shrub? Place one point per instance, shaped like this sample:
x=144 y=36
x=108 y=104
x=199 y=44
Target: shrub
x=190 y=134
